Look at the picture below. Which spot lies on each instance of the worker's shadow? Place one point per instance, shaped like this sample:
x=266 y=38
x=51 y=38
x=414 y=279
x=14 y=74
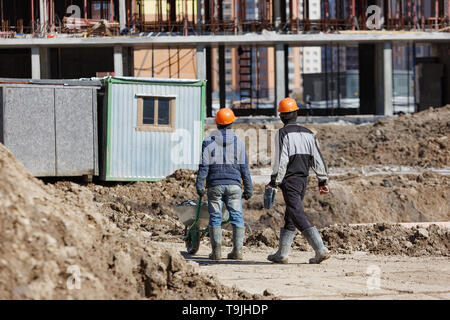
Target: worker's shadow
x=204 y=260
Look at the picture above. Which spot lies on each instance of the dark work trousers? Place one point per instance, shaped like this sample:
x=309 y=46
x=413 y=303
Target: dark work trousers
x=294 y=189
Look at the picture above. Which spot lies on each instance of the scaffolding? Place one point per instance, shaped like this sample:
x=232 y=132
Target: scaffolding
x=400 y=15
x=43 y=17
x=188 y=17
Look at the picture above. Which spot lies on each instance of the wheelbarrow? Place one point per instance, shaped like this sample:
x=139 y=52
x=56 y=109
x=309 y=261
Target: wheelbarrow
x=194 y=215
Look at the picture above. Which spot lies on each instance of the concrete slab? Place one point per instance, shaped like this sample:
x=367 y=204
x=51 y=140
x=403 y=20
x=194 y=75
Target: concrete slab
x=265 y=39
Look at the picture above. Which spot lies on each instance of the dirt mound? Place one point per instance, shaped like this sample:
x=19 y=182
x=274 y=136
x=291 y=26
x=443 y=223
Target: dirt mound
x=386 y=239
x=143 y=206
x=420 y=139
x=56 y=244
x=376 y=199
x=266 y=237
x=147 y=208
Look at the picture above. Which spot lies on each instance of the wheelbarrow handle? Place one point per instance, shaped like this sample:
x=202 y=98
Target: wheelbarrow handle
x=199 y=205
x=197 y=216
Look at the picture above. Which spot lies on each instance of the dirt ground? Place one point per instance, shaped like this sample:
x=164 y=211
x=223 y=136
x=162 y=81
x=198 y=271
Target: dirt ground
x=357 y=199
x=148 y=207
x=380 y=239
x=124 y=240
x=343 y=276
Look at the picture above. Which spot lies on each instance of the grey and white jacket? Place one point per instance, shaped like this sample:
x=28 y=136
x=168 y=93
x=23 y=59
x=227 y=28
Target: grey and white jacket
x=296 y=151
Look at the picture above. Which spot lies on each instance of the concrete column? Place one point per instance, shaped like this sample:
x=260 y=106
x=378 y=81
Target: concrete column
x=126 y=61
x=439 y=74
x=375 y=79
x=122 y=14
x=35 y=63
x=280 y=77
x=45 y=63
x=130 y=59
x=367 y=76
x=383 y=81
x=118 y=61
x=388 y=109
x=201 y=63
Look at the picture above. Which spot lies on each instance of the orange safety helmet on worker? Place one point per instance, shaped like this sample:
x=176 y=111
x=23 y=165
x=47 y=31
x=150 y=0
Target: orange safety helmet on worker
x=225 y=116
x=287 y=105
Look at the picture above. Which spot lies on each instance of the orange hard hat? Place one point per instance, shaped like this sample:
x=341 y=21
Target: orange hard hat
x=225 y=116
x=287 y=105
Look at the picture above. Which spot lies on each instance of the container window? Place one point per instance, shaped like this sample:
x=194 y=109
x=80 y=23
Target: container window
x=148 y=111
x=156 y=113
x=163 y=111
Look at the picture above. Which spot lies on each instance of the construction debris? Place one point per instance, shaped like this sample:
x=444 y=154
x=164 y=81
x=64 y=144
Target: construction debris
x=91 y=27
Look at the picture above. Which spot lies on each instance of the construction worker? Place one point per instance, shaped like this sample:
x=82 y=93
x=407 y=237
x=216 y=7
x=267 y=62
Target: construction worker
x=296 y=151
x=224 y=165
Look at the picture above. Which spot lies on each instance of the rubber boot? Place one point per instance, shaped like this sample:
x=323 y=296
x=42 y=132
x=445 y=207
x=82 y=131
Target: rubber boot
x=215 y=234
x=286 y=238
x=315 y=241
x=238 y=243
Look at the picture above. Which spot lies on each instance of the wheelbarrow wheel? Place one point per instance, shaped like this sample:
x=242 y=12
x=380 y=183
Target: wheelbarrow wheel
x=191 y=247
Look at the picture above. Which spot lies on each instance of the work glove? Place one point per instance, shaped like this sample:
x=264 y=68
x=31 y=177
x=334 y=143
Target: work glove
x=324 y=190
x=247 y=195
x=201 y=192
x=272 y=184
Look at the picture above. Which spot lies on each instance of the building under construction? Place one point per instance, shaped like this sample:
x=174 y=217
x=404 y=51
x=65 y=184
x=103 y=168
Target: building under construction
x=336 y=57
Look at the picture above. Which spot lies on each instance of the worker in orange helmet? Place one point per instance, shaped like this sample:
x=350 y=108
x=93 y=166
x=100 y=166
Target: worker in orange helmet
x=224 y=165
x=296 y=151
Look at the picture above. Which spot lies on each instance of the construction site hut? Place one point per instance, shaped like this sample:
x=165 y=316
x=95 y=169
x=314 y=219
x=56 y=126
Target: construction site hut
x=151 y=127
x=50 y=126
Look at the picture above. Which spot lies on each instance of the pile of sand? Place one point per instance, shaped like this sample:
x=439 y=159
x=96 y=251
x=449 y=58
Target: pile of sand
x=384 y=239
x=397 y=198
x=147 y=208
x=420 y=139
x=377 y=199
x=388 y=239
x=53 y=242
